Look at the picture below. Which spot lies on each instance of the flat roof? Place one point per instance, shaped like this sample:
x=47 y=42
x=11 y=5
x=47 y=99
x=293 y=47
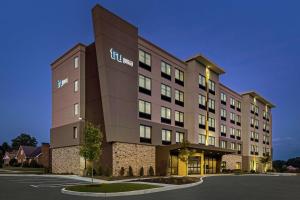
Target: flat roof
x=68 y=51
x=259 y=97
x=211 y=65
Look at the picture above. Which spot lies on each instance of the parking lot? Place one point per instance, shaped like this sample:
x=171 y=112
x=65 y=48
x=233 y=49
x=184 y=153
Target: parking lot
x=223 y=187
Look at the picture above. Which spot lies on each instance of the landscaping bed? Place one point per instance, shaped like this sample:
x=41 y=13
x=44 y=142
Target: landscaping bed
x=171 y=180
x=110 y=188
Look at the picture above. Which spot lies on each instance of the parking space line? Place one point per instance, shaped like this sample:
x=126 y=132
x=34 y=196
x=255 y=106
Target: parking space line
x=56 y=185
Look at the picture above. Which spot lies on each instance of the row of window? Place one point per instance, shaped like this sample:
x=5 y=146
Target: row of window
x=202 y=103
x=166 y=135
x=166 y=69
x=234 y=118
x=255 y=110
x=211 y=140
x=234 y=133
x=211 y=122
x=232 y=145
x=254 y=150
x=234 y=104
x=211 y=84
x=254 y=123
x=165 y=91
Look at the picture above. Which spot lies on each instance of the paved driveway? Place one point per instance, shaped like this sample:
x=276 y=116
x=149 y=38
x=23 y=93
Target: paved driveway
x=229 y=187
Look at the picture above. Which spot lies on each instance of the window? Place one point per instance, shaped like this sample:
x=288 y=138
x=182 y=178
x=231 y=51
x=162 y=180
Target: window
x=145 y=134
x=201 y=81
x=166 y=136
x=202 y=101
x=223 y=144
x=179 y=118
x=223 y=114
x=144 y=84
x=165 y=70
x=239 y=147
x=238 y=134
x=211 y=140
x=256 y=123
x=232 y=117
x=252 y=121
x=238 y=105
x=252 y=135
x=211 y=124
x=223 y=98
x=75 y=132
x=238 y=120
x=165 y=92
x=211 y=86
x=232 y=131
x=232 y=103
x=179 y=137
x=165 y=114
x=76 y=62
x=179 y=77
x=144 y=58
x=201 y=139
x=144 y=109
x=76 y=109
x=252 y=108
x=179 y=98
x=232 y=146
x=238 y=165
x=211 y=105
x=76 y=86
x=223 y=130
x=256 y=110
x=201 y=120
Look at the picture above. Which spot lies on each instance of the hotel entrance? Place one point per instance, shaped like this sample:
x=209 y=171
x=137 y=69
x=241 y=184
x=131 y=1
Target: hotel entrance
x=210 y=164
x=194 y=165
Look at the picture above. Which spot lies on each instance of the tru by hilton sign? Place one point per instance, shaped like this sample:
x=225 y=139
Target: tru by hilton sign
x=114 y=55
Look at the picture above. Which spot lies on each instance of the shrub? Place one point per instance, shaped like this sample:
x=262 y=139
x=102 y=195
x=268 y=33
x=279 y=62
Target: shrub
x=252 y=171
x=100 y=171
x=151 y=171
x=142 y=171
x=13 y=162
x=122 y=171
x=25 y=164
x=34 y=164
x=1 y=165
x=130 y=171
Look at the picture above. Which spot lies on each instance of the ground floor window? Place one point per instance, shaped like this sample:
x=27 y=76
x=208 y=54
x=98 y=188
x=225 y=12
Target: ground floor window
x=238 y=165
x=210 y=165
x=194 y=165
x=223 y=165
x=173 y=165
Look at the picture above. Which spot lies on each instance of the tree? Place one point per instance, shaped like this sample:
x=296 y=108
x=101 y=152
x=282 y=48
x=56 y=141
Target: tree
x=92 y=146
x=265 y=160
x=185 y=152
x=5 y=147
x=23 y=139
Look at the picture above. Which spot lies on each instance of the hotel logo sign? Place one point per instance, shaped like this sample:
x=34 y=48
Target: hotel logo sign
x=61 y=83
x=114 y=55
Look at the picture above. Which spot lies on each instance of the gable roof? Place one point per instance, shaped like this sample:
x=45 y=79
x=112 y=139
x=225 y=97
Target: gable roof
x=28 y=150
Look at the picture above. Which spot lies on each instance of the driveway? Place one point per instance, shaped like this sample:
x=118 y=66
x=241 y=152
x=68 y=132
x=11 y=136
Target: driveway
x=223 y=187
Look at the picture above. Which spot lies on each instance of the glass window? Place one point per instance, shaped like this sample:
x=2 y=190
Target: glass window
x=165 y=113
x=165 y=68
x=166 y=135
x=165 y=90
x=211 y=140
x=238 y=132
x=232 y=116
x=211 y=104
x=179 y=117
x=211 y=85
x=238 y=104
x=232 y=102
x=202 y=80
x=223 y=97
x=211 y=122
x=202 y=119
x=223 y=144
x=144 y=82
x=144 y=57
x=76 y=86
x=232 y=145
x=75 y=132
x=76 y=62
x=223 y=113
x=223 y=128
x=179 y=96
x=179 y=137
x=238 y=147
x=144 y=107
x=252 y=121
x=179 y=75
x=76 y=109
x=201 y=100
x=145 y=131
x=201 y=139
x=232 y=131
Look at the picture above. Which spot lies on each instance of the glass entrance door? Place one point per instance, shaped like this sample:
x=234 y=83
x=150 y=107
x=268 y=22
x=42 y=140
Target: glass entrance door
x=210 y=165
x=194 y=166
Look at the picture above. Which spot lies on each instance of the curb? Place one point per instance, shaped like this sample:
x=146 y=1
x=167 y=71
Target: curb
x=136 y=192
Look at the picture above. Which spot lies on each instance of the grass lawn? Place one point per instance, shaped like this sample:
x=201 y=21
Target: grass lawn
x=109 y=188
x=172 y=180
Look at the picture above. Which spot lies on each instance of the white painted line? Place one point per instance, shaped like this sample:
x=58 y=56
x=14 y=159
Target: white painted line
x=56 y=185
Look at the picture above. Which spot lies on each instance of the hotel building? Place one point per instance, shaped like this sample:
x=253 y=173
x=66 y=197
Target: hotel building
x=147 y=103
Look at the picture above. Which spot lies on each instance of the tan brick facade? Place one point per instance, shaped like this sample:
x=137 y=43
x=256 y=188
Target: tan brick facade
x=67 y=160
x=134 y=155
x=232 y=161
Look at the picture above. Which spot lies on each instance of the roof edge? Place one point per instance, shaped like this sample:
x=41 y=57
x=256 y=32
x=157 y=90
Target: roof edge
x=259 y=97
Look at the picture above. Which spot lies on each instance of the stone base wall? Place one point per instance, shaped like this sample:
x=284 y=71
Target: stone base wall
x=232 y=160
x=134 y=155
x=66 y=160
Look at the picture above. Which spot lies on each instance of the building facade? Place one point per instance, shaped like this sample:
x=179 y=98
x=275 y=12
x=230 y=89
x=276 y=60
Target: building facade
x=148 y=103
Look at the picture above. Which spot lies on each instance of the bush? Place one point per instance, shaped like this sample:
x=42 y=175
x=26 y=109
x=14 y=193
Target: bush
x=151 y=171
x=270 y=170
x=1 y=165
x=34 y=164
x=122 y=171
x=100 y=171
x=130 y=171
x=13 y=162
x=25 y=164
x=252 y=171
x=142 y=171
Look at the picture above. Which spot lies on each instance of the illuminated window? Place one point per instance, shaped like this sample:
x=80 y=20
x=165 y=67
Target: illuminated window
x=144 y=57
x=144 y=107
x=165 y=90
x=144 y=82
x=145 y=131
x=202 y=80
x=76 y=86
x=223 y=128
x=223 y=97
x=211 y=85
x=211 y=122
x=179 y=137
x=76 y=109
x=165 y=113
x=75 y=132
x=179 y=96
x=223 y=144
x=201 y=119
x=201 y=139
x=76 y=62
x=179 y=75
x=211 y=140
x=165 y=68
x=166 y=135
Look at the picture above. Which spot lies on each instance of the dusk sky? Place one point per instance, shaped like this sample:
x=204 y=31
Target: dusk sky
x=256 y=42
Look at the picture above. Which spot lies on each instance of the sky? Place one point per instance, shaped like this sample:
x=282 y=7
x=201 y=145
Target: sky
x=256 y=42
